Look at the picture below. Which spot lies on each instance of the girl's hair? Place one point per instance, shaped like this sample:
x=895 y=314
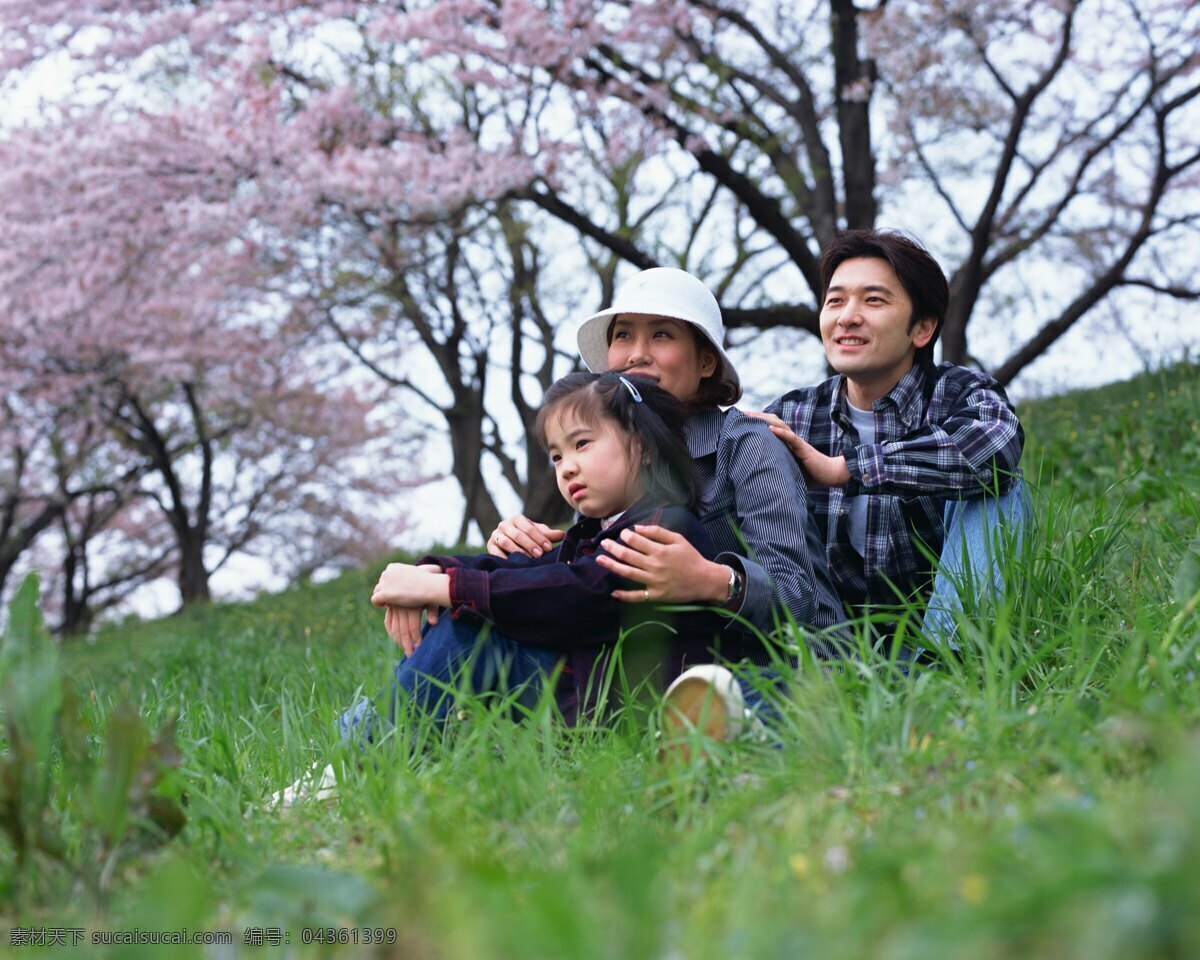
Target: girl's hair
x=648 y=415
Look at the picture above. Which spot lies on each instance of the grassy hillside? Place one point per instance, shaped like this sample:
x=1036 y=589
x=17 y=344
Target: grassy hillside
x=1036 y=799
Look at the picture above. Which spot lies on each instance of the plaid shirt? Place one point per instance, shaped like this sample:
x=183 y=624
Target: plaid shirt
x=943 y=433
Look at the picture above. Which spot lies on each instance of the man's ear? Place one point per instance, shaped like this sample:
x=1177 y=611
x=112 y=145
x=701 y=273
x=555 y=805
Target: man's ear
x=922 y=331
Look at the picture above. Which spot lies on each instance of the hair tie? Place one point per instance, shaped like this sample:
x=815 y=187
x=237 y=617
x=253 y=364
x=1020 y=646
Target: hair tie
x=633 y=391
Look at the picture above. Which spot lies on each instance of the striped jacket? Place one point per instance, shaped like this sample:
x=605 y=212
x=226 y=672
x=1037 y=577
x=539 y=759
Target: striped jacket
x=941 y=433
x=754 y=505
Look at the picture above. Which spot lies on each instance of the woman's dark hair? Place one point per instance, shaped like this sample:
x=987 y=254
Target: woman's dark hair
x=646 y=413
x=917 y=271
x=717 y=389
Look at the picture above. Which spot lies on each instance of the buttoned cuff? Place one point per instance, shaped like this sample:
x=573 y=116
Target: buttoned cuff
x=865 y=463
x=469 y=593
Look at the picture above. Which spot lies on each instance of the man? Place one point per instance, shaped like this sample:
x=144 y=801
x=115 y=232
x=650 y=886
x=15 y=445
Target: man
x=911 y=465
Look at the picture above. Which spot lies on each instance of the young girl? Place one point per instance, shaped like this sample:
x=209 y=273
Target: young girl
x=618 y=450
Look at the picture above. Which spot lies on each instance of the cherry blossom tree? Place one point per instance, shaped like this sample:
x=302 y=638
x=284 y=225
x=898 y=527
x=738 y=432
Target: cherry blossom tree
x=1055 y=136
x=111 y=542
x=136 y=298
x=438 y=188
x=28 y=502
x=63 y=480
x=339 y=217
x=449 y=324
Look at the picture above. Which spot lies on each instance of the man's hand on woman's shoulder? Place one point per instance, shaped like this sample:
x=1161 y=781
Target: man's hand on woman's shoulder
x=820 y=469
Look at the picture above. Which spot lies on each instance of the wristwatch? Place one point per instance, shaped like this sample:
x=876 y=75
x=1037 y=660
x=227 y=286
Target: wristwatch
x=736 y=585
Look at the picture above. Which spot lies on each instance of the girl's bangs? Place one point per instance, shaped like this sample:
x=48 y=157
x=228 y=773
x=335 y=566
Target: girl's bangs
x=586 y=405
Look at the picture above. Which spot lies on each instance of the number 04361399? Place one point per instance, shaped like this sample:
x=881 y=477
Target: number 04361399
x=365 y=935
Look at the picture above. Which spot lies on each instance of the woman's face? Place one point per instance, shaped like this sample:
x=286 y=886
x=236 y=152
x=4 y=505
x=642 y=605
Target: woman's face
x=662 y=349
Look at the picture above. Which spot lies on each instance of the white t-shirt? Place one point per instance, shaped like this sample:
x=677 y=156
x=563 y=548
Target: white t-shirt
x=864 y=423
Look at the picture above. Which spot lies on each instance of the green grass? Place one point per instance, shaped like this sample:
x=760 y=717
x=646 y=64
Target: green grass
x=1036 y=799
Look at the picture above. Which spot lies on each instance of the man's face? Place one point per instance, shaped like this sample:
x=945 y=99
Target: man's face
x=865 y=328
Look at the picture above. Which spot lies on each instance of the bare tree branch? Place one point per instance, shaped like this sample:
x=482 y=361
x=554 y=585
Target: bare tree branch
x=552 y=203
x=798 y=316
x=1170 y=290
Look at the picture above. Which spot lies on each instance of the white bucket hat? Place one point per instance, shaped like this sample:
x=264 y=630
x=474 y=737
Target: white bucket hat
x=660 y=292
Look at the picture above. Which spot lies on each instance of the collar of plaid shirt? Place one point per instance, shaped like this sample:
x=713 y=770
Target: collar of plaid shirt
x=907 y=397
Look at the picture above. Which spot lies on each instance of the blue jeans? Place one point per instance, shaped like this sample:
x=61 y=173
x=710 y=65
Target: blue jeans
x=454 y=654
x=980 y=535
x=762 y=688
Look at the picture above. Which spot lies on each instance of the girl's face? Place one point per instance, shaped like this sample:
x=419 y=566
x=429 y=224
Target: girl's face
x=662 y=349
x=597 y=473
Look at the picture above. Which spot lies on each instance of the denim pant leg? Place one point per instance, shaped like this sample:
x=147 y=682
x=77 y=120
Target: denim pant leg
x=978 y=535
x=453 y=653
x=761 y=689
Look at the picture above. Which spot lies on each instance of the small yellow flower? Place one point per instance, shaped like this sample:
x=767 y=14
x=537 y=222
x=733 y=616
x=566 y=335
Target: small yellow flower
x=799 y=864
x=919 y=745
x=974 y=888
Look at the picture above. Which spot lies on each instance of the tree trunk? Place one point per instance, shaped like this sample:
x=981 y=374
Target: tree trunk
x=193 y=575
x=954 y=328
x=75 y=615
x=77 y=619
x=7 y=561
x=853 y=78
x=465 y=421
x=543 y=502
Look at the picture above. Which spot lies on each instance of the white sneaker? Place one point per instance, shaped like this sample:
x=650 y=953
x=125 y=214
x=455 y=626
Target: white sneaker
x=704 y=699
x=308 y=787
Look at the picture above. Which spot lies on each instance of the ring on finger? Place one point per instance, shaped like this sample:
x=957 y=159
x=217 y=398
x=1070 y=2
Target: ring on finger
x=646 y=595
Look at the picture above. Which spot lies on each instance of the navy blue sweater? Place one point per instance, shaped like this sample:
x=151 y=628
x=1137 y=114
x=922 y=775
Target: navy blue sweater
x=563 y=601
